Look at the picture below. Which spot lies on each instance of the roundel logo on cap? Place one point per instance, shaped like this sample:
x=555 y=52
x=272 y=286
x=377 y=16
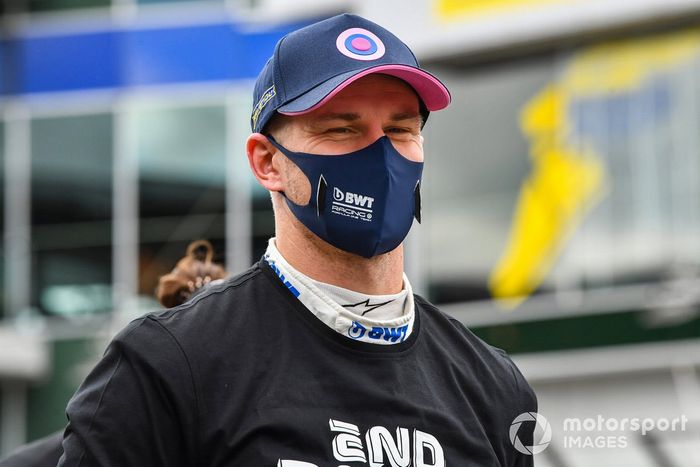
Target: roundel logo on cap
x=360 y=44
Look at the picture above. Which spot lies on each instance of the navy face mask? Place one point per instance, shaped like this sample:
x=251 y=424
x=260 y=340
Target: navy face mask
x=362 y=202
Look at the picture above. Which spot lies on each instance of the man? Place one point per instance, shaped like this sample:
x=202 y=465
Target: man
x=319 y=355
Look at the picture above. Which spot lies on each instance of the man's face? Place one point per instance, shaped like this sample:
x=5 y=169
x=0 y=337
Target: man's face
x=369 y=108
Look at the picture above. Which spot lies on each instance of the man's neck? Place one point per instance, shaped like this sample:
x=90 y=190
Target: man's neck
x=380 y=275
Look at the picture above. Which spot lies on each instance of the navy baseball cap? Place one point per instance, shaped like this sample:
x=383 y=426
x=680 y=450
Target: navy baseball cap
x=312 y=64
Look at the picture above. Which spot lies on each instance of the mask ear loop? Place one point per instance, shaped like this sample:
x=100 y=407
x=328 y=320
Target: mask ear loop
x=417 y=202
x=424 y=113
x=278 y=146
x=321 y=187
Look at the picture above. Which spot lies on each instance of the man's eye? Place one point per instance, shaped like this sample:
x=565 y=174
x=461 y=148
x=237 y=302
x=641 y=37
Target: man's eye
x=339 y=130
x=397 y=131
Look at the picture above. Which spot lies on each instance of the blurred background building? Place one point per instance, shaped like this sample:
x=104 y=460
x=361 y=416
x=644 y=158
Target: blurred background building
x=564 y=181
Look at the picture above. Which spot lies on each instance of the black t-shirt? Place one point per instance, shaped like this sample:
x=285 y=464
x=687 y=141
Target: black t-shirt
x=43 y=452
x=245 y=375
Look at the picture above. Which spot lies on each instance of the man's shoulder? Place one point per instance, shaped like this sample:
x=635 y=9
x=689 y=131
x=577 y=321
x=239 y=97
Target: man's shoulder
x=223 y=297
x=218 y=307
x=492 y=365
x=443 y=326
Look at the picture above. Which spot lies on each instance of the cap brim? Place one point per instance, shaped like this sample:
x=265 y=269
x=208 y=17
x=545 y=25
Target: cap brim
x=432 y=92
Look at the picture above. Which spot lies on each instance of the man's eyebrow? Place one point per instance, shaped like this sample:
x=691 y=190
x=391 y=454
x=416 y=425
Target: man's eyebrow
x=347 y=116
x=397 y=117
x=352 y=117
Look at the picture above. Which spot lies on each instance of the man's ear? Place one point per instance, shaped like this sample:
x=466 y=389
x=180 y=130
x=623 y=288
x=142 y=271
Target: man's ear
x=260 y=157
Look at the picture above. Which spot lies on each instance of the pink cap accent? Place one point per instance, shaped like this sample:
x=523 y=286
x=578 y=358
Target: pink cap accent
x=432 y=92
x=360 y=43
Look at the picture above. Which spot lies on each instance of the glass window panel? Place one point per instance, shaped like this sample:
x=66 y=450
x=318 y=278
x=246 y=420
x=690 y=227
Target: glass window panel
x=595 y=151
x=263 y=221
x=148 y=2
x=72 y=214
x=2 y=218
x=50 y=5
x=182 y=175
x=47 y=399
x=476 y=158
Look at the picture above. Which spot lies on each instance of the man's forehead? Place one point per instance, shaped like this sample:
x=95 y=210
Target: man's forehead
x=330 y=115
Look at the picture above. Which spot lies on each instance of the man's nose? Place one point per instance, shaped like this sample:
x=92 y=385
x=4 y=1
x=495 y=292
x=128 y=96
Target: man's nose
x=374 y=133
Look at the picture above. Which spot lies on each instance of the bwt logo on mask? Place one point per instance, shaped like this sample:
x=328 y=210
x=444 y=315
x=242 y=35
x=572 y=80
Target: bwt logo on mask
x=353 y=198
x=353 y=205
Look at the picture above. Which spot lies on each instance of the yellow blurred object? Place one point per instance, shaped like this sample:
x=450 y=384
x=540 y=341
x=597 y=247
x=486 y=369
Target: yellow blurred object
x=562 y=186
x=566 y=180
x=452 y=9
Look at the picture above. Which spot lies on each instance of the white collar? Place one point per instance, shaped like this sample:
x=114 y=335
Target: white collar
x=387 y=324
